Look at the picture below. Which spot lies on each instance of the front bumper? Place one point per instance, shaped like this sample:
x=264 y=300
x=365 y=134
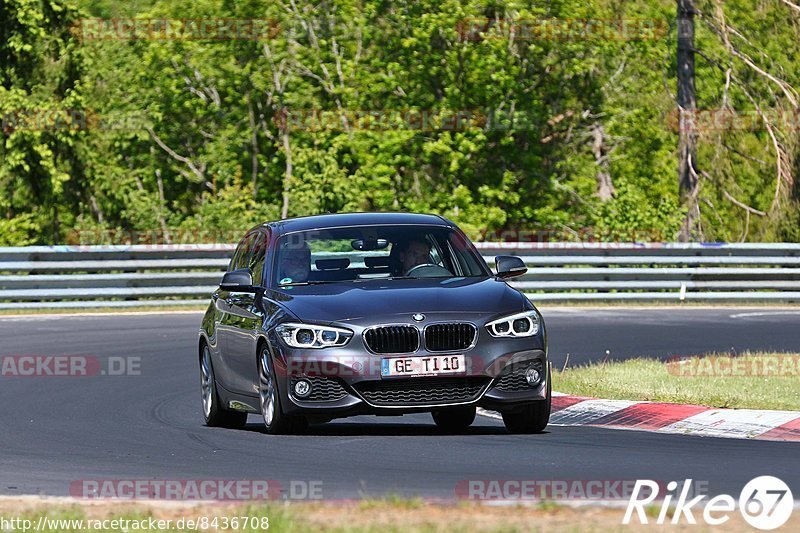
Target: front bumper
x=347 y=381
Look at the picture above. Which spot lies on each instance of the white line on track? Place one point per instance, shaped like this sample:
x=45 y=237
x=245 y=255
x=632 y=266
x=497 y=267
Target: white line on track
x=19 y=318
x=489 y=414
x=765 y=313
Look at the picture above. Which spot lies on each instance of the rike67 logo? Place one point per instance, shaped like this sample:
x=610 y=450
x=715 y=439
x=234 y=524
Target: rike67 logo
x=765 y=502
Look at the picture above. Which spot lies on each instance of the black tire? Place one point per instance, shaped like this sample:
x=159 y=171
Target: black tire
x=275 y=421
x=214 y=412
x=533 y=417
x=454 y=418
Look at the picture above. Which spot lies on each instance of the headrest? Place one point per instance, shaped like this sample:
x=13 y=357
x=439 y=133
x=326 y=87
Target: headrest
x=339 y=263
x=376 y=262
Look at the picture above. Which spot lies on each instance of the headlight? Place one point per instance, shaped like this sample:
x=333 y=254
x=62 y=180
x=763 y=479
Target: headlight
x=311 y=336
x=520 y=325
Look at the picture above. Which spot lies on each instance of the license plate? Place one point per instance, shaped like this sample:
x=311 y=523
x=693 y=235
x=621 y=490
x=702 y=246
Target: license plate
x=427 y=365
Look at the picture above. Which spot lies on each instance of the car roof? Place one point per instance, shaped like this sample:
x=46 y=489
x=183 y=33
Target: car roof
x=354 y=219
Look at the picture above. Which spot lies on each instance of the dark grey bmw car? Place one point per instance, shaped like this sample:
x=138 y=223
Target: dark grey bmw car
x=370 y=313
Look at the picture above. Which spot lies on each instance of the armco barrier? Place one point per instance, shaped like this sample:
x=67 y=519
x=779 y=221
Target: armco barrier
x=179 y=275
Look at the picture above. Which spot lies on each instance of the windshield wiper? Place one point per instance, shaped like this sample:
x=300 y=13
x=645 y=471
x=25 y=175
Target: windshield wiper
x=297 y=283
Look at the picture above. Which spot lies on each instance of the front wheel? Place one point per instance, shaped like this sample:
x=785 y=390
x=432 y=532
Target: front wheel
x=275 y=421
x=454 y=418
x=214 y=413
x=533 y=417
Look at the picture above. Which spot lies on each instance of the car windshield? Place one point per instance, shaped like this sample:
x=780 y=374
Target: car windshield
x=375 y=252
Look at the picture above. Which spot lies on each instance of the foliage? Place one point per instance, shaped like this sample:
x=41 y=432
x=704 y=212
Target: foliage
x=17 y=231
x=189 y=134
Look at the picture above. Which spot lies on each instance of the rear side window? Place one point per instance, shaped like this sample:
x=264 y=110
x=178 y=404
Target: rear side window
x=235 y=257
x=241 y=257
x=258 y=250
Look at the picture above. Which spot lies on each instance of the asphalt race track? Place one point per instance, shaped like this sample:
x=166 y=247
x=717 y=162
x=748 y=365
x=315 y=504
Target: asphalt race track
x=58 y=430
x=586 y=335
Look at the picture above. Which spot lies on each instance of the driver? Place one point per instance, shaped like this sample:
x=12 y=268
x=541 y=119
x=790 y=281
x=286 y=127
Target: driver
x=414 y=253
x=295 y=264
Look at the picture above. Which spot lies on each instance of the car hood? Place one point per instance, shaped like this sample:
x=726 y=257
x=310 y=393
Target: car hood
x=369 y=299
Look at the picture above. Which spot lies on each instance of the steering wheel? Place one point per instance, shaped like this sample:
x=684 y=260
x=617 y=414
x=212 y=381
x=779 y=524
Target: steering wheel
x=434 y=271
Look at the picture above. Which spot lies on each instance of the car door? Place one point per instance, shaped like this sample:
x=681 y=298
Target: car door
x=245 y=319
x=228 y=325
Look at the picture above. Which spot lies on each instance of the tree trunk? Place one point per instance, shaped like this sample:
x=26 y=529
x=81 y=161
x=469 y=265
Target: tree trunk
x=101 y=219
x=161 y=205
x=254 y=147
x=605 y=187
x=56 y=229
x=687 y=135
x=287 y=177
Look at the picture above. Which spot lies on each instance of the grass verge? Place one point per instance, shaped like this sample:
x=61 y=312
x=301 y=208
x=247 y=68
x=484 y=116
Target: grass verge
x=747 y=381
x=377 y=516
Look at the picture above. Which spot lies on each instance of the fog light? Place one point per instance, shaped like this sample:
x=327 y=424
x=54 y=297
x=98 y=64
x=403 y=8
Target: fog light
x=533 y=377
x=302 y=388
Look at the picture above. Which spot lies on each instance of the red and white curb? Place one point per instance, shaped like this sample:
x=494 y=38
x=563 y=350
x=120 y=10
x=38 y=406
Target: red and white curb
x=673 y=418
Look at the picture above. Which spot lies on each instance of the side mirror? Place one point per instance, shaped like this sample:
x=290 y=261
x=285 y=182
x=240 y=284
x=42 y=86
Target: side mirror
x=509 y=266
x=237 y=281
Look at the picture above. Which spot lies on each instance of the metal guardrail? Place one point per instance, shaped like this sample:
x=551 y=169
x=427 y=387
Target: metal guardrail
x=45 y=277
